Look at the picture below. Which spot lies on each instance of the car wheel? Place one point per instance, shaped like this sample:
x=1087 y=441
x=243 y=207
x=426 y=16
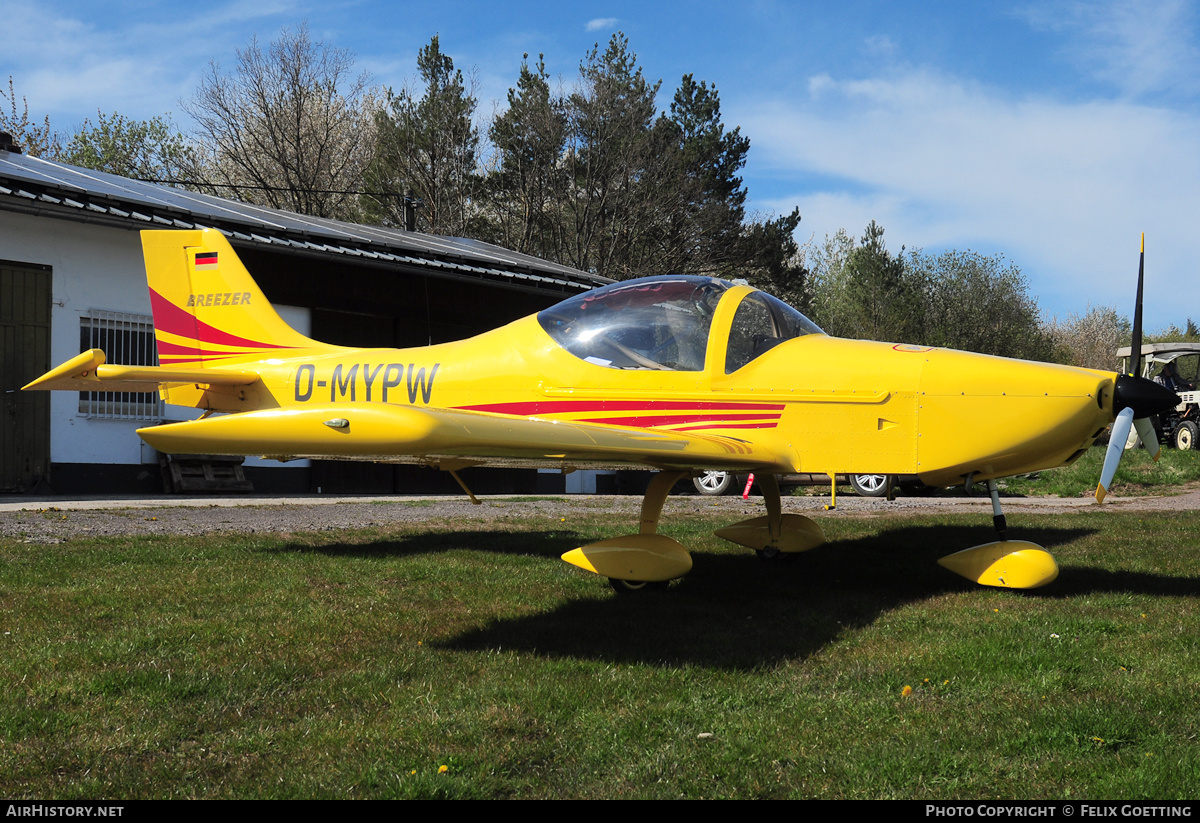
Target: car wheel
x=715 y=483
x=869 y=485
x=1186 y=435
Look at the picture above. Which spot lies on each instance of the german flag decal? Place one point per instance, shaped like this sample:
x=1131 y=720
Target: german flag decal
x=206 y=261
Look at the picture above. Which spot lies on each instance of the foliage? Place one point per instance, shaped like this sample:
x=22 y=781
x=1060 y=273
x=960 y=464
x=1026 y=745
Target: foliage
x=618 y=161
x=428 y=146
x=597 y=180
x=1173 y=334
x=960 y=300
x=863 y=291
x=980 y=304
x=827 y=292
x=770 y=259
x=704 y=233
x=34 y=139
x=884 y=293
x=142 y=149
x=289 y=128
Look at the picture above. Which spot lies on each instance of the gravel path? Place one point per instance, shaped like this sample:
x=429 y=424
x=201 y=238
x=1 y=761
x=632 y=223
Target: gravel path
x=53 y=520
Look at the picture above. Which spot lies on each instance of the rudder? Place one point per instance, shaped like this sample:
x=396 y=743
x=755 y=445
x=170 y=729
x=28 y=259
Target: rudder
x=207 y=308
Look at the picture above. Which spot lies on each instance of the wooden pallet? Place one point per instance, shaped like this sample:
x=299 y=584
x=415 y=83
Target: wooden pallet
x=203 y=473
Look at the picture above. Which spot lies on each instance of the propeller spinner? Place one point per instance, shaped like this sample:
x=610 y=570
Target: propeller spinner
x=1135 y=399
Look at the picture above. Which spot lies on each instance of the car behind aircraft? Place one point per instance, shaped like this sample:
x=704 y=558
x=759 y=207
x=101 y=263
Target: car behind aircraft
x=681 y=374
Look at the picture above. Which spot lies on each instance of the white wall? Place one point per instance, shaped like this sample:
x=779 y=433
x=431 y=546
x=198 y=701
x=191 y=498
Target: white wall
x=94 y=267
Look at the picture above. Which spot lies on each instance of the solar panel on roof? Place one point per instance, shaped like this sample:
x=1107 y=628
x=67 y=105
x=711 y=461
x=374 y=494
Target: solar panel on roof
x=142 y=201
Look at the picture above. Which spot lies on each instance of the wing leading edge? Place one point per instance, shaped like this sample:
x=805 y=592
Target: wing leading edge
x=390 y=433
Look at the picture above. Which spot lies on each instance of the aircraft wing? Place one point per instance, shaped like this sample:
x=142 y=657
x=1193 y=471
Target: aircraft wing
x=89 y=372
x=451 y=438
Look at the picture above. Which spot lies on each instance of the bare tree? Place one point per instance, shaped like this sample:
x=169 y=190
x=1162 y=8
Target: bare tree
x=291 y=128
x=34 y=139
x=1091 y=339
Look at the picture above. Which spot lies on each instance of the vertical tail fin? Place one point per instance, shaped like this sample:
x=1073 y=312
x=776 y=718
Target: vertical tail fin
x=207 y=307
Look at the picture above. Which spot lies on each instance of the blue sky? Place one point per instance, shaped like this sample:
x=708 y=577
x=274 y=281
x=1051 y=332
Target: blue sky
x=1053 y=133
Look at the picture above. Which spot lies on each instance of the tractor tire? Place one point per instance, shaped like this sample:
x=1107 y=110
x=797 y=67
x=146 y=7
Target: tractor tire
x=1186 y=435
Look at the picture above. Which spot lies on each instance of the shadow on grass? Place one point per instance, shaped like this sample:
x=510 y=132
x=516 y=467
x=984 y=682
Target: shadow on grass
x=739 y=613
x=736 y=612
x=524 y=542
x=1081 y=580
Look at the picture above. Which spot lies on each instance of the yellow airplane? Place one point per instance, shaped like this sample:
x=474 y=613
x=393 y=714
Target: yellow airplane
x=676 y=373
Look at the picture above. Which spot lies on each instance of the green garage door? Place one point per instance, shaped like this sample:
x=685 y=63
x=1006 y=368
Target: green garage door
x=24 y=355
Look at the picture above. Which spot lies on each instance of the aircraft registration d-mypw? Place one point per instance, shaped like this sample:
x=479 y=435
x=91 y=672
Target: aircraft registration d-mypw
x=676 y=373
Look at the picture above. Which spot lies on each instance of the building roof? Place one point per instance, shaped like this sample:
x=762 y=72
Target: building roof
x=38 y=186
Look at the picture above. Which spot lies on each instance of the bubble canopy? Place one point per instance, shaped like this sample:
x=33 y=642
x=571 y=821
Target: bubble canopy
x=664 y=323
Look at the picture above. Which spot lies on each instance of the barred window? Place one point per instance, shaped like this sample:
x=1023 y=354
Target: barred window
x=127 y=340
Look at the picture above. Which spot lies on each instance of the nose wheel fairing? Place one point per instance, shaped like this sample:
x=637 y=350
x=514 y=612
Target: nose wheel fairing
x=1010 y=564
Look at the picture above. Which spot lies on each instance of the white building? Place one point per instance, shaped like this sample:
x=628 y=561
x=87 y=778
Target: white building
x=72 y=278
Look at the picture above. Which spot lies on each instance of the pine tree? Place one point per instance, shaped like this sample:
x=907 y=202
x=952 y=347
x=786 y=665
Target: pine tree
x=525 y=189
x=430 y=146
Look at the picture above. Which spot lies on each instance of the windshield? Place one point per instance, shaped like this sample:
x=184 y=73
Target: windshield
x=651 y=323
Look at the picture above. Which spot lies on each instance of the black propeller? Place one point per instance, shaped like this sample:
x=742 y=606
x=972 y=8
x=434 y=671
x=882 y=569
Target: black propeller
x=1135 y=399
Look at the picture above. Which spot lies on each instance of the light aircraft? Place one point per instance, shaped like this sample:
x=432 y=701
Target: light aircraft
x=676 y=373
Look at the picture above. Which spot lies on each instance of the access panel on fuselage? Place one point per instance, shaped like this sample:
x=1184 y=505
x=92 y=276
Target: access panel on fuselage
x=847 y=405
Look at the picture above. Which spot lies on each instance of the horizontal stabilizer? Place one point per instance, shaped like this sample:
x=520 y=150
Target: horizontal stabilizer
x=89 y=372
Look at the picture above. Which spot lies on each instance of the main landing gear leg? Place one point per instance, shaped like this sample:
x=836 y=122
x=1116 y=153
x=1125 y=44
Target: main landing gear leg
x=646 y=560
x=1013 y=564
x=777 y=533
x=997 y=514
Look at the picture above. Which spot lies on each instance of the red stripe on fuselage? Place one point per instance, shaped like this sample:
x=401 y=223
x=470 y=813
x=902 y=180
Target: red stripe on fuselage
x=771 y=425
x=650 y=421
x=584 y=406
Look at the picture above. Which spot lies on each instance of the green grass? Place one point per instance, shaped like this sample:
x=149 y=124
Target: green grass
x=358 y=664
x=1137 y=475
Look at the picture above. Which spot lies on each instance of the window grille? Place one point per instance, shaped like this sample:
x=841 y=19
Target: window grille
x=127 y=340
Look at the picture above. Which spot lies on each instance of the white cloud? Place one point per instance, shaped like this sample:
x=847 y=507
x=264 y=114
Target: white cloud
x=1064 y=189
x=67 y=63
x=601 y=24
x=1137 y=46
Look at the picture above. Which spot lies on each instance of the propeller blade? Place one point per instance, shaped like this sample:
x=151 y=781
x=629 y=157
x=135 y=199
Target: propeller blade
x=1135 y=361
x=1116 y=447
x=1149 y=439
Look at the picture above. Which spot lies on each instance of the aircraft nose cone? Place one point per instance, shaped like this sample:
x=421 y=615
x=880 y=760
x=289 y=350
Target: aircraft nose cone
x=995 y=417
x=1144 y=396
